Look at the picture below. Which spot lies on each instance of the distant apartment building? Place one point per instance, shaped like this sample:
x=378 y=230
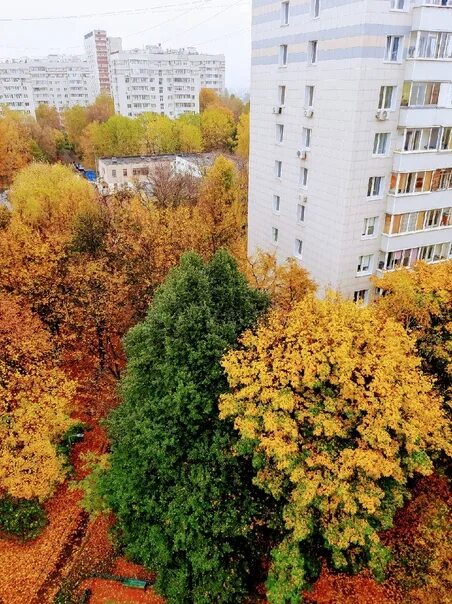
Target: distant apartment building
x=152 y=79
x=351 y=136
x=61 y=81
x=163 y=81
x=98 y=47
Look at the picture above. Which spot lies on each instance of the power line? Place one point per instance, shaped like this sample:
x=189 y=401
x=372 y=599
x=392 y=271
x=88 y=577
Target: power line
x=205 y=20
x=130 y=11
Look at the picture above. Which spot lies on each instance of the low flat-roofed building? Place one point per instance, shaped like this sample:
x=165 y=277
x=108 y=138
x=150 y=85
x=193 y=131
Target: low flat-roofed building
x=116 y=173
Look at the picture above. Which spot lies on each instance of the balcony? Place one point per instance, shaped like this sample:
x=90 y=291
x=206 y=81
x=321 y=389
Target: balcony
x=416 y=161
x=423 y=117
x=402 y=204
x=428 y=17
x=392 y=243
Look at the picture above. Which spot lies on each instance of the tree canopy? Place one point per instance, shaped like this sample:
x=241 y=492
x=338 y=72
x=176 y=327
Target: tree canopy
x=331 y=400
x=184 y=503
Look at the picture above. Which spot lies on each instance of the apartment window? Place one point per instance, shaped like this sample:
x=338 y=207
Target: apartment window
x=282 y=95
x=375 y=186
x=279 y=133
x=124 y=172
x=386 y=99
x=430 y=45
x=309 y=96
x=276 y=204
x=304 y=177
x=381 y=143
x=301 y=212
x=113 y=173
x=432 y=219
x=446 y=139
x=312 y=51
x=364 y=265
x=298 y=248
x=361 y=295
x=315 y=8
x=306 y=138
x=419 y=94
x=408 y=222
x=421 y=139
x=285 y=13
x=397 y=4
x=370 y=227
x=283 y=55
x=275 y=234
x=393 y=48
x=278 y=169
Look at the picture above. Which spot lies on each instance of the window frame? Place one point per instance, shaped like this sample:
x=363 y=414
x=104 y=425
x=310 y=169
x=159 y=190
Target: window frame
x=285 y=13
x=301 y=213
x=298 y=248
x=278 y=168
x=374 y=226
x=315 y=9
x=371 y=187
x=368 y=267
x=276 y=204
x=275 y=235
x=394 y=43
x=306 y=137
x=313 y=52
x=279 y=134
x=283 y=55
x=304 y=175
x=383 y=97
x=377 y=144
x=309 y=96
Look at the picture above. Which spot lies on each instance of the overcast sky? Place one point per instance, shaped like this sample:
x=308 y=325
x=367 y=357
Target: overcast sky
x=217 y=26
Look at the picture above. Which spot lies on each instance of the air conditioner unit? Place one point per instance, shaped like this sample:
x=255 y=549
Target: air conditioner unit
x=277 y=110
x=303 y=198
x=302 y=154
x=382 y=114
x=308 y=112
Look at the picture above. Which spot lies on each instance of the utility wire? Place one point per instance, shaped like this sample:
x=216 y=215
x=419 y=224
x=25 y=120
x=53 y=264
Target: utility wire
x=130 y=11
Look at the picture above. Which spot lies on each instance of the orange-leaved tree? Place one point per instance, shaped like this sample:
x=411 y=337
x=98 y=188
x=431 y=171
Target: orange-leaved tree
x=15 y=146
x=35 y=405
x=331 y=400
x=421 y=300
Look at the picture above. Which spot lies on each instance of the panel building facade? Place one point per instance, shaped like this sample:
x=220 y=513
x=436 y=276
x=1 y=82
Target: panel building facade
x=351 y=136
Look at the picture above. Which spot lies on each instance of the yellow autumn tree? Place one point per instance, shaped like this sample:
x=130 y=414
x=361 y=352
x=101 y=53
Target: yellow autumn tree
x=50 y=197
x=15 y=146
x=243 y=136
x=421 y=300
x=331 y=400
x=286 y=283
x=35 y=398
x=217 y=128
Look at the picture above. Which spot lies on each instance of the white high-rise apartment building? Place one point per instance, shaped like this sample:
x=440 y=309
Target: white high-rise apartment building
x=163 y=81
x=61 y=81
x=351 y=136
x=98 y=47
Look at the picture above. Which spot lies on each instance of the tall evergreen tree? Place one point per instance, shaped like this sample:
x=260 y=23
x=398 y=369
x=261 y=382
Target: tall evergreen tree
x=185 y=504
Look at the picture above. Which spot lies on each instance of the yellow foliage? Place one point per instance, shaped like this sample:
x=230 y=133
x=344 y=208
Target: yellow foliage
x=34 y=409
x=49 y=197
x=334 y=398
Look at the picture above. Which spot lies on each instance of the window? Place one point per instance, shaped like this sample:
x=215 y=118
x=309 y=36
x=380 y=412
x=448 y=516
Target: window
x=306 y=138
x=276 y=204
x=275 y=234
x=386 y=99
x=312 y=51
x=282 y=95
x=446 y=140
x=361 y=295
x=370 y=227
x=304 y=177
x=113 y=173
x=124 y=171
x=301 y=212
x=407 y=183
x=419 y=94
x=298 y=248
x=421 y=139
x=278 y=169
x=430 y=45
x=309 y=96
x=374 y=188
x=408 y=222
x=393 y=48
x=283 y=55
x=397 y=4
x=432 y=219
x=279 y=133
x=315 y=8
x=285 y=13
x=364 y=264
x=381 y=143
